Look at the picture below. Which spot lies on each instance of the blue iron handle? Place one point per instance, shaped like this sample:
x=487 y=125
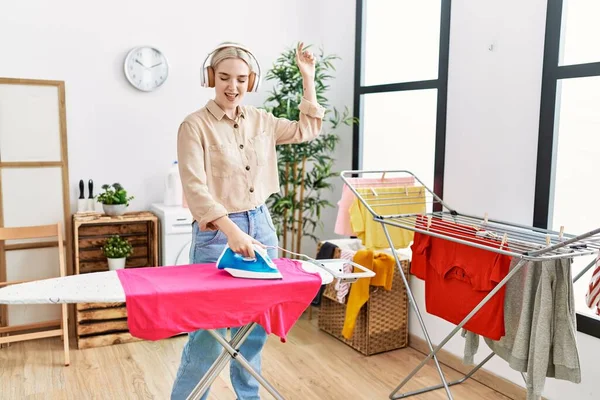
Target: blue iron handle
x=246 y=259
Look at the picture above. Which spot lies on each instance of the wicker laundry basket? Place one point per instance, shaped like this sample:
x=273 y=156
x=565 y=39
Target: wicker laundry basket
x=382 y=323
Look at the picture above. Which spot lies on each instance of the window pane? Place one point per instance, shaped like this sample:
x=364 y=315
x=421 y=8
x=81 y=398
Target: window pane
x=402 y=39
x=398 y=131
x=580 y=32
x=576 y=191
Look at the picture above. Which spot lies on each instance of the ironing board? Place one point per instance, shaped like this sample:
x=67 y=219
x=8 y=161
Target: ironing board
x=106 y=287
x=96 y=287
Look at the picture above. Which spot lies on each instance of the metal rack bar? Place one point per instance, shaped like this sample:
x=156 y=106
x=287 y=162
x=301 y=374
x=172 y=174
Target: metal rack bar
x=382 y=173
x=526 y=243
x=456 y=382
x=377 y=198
x=459 y=326
x=583 y=271
x=393 y=395
x=413 y=302
x=531 y=246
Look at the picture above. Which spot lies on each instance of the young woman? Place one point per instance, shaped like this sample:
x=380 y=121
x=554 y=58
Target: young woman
x=228 y=167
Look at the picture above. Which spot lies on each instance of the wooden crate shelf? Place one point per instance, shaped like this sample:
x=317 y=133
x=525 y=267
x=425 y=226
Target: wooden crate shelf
x=105 y=324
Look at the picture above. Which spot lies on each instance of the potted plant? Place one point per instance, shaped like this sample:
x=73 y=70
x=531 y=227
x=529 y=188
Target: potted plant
x=116 y=249
x=305 y=169
x=114 y=199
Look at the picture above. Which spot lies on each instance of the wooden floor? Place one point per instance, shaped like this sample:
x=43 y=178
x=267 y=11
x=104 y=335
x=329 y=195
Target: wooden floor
x=311 y=365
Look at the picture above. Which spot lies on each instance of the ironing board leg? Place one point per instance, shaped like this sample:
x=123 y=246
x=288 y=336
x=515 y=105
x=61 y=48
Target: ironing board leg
x=230 y=351
x=239 y=358
x=219 y=363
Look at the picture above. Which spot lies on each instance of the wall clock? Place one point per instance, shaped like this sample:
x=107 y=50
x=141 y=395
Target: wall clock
x=146 y=68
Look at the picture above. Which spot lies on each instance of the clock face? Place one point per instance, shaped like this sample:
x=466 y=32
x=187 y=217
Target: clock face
x=146 y=68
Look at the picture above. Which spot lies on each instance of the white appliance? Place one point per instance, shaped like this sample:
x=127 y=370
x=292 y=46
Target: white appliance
x=175 y=233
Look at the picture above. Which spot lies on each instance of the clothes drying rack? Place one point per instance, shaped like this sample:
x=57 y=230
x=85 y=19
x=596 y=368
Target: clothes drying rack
x=524 y=243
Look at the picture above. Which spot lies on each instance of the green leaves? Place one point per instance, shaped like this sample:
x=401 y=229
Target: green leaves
x=117 y=247
x=114 y=194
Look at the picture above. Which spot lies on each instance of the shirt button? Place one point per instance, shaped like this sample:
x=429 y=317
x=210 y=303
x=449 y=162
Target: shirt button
x=247 y=168
x=241 y=146
x=236 y=126
x=251 y=190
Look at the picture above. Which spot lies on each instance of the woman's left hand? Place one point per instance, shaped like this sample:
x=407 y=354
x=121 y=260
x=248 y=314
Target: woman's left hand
x=306 y=61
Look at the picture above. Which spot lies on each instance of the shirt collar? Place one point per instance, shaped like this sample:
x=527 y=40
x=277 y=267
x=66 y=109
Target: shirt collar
x=218 y=112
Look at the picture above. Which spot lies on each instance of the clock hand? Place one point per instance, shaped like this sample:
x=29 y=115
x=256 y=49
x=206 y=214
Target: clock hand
x=138 y=61
x=156 y=65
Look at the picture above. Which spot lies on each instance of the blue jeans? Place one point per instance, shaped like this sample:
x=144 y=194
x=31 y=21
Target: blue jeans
x=202 y=349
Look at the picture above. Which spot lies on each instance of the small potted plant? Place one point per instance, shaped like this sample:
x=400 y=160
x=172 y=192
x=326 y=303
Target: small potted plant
x=114 y=199
x=117 y=249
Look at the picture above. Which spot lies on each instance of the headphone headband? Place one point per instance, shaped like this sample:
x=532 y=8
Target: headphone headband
x=204 y=77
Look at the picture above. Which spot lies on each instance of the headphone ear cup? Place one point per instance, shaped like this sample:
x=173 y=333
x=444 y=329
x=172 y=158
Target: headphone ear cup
x=251 y=80
x=210 y=72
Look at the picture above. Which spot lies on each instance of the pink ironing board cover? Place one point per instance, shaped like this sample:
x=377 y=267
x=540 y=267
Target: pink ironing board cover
x=166 y=301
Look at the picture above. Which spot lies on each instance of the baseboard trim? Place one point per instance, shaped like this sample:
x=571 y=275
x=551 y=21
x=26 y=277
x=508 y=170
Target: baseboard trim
x=493 y=381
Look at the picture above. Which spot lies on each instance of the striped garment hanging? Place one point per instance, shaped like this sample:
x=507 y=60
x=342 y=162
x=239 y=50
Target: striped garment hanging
x=592 y=296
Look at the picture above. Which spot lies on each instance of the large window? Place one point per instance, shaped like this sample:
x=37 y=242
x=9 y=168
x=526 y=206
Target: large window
x=569 y=137
x=400 y=87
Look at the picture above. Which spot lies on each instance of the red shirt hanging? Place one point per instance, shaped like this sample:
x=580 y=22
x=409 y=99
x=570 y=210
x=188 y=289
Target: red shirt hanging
x=458 y=276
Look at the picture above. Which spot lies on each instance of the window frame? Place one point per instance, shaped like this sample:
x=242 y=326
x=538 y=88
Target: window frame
x=441 y=84
x=552 y=73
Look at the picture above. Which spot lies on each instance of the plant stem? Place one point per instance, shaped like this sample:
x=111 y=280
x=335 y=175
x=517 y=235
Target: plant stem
x=285 y=211
x=301 y=207
x=284 y=101
x=294 y=206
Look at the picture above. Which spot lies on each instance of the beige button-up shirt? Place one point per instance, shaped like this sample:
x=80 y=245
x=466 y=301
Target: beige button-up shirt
x=229 y=166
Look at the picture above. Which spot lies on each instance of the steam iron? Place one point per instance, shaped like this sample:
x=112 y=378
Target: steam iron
x=261 y=267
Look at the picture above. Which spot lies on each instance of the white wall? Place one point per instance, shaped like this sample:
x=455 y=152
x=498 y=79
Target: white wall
x=336 y=24
x=117 y=133
x=491 y=144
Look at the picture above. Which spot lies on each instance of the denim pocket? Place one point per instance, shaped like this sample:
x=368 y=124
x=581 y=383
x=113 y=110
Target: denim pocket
x=204 y=238
x=267 y=215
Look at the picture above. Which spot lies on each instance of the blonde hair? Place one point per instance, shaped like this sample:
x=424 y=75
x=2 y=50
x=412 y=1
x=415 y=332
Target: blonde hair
x=231 y=52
